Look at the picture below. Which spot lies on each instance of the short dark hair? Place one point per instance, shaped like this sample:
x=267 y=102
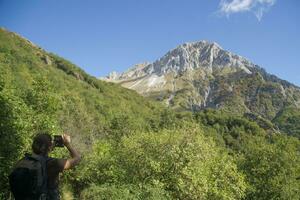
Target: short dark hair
x=41 y=143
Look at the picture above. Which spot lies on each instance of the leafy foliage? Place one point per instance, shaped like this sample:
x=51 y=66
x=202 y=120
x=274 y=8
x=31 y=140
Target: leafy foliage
x=272 y=169
x=229 y=130
x=13 y=131
x=182 y=162
x=288 y=120
x=126 y=192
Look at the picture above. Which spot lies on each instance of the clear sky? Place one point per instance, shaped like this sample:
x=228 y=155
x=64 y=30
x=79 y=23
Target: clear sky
x=102 y=36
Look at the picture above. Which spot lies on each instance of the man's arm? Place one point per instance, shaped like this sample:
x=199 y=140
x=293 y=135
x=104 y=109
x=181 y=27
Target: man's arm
x=75 y=156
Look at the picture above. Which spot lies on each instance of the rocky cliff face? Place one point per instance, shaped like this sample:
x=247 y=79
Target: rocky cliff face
x=198 y=75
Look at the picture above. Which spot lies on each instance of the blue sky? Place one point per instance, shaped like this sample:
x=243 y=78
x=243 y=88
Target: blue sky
x=102 y=36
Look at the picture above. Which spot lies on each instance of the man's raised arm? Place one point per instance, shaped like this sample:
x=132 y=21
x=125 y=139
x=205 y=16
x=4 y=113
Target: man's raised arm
x=75 y=156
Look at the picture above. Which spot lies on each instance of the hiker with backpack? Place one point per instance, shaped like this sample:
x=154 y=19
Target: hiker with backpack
x=36 y=176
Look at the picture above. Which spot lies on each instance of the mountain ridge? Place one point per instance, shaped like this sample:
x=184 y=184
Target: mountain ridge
x=198 y=75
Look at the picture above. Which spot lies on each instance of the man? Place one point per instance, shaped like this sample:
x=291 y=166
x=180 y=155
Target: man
x=56 y=166
x=42 y=145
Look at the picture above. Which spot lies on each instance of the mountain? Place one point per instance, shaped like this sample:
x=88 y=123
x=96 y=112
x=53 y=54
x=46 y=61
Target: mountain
x=200 y=75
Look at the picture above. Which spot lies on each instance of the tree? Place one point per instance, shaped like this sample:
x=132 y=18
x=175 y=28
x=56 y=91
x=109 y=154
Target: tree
x=272 y=168
x=184 y=163
x=15 y=127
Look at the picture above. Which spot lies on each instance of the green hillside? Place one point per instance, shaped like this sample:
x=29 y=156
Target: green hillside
x=134 y=148
x=84 y=106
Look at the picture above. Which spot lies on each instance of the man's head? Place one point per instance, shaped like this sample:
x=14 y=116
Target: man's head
x=42 y=144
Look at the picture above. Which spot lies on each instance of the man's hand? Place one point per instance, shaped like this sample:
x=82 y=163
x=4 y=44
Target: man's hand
x=66 y=139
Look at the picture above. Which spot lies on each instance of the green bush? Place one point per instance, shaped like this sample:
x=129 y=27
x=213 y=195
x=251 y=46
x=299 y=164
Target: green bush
x=288 y=120
x=14 y=135
x=123 y=192
x=272 y=169
x=183 y=162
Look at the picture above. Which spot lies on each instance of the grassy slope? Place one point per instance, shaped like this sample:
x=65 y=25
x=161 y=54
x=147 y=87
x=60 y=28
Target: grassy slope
x=88 y=106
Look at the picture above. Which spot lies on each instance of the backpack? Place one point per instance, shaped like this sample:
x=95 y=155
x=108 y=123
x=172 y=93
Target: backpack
x=28 y=180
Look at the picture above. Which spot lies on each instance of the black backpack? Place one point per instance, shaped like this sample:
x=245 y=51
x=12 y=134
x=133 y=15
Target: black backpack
x=28 y=180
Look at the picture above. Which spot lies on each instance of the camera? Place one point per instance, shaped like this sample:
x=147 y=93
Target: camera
x=58 y=141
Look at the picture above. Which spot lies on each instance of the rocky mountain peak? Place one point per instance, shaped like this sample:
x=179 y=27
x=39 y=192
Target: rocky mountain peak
x=203 y=54
x=186 y=57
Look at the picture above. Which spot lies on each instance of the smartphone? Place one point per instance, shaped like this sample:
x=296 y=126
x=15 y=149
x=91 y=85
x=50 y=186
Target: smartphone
x=58 y=141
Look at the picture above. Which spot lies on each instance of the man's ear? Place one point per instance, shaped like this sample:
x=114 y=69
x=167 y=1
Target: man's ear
x=50 y=148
